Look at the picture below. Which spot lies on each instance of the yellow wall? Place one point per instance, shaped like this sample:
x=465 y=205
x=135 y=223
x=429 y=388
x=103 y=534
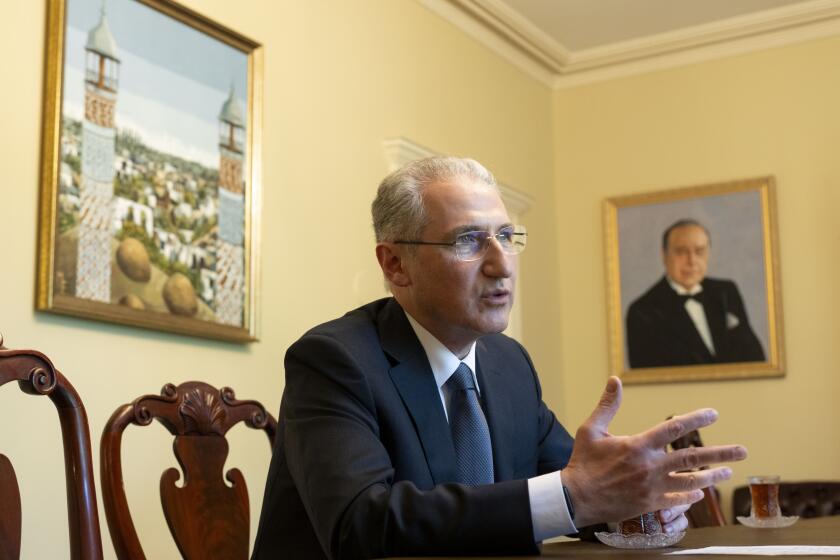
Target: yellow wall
x=340 y=77
x=773 y=112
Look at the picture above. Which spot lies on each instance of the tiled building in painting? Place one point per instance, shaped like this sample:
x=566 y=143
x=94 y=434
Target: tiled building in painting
x=230 y=262
x=93 y=261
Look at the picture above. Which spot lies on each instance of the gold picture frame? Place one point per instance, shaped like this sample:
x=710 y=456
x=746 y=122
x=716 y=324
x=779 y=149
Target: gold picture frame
x=151 y=169
x=653 y=336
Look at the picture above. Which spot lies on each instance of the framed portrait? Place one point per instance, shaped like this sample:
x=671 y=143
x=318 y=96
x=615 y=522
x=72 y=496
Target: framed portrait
x=150 y=169
x=693 y=283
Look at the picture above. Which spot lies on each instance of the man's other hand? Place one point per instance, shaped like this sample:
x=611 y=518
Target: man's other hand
x=612 y=478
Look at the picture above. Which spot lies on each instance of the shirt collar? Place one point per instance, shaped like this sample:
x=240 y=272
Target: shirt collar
x=441 y=359
x=696 y=289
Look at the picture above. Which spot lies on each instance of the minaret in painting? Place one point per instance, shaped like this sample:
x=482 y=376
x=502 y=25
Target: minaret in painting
x=230 y=278
x=93 y=261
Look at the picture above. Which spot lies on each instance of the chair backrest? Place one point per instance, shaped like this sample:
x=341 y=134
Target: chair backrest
x=805 y=499
x=706 y=512
x=207 y=518
x=36 y=375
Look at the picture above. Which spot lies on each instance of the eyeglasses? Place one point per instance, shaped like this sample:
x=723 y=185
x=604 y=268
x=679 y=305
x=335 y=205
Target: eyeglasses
x=472 y=245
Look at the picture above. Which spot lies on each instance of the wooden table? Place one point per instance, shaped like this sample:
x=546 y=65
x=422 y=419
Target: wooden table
x=818 y=531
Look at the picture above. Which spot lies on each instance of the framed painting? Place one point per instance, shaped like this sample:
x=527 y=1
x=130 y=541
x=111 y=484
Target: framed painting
x=693 y=283
x=150 y=169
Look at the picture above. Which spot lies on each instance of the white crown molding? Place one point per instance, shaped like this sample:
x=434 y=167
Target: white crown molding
x=506 y=32
x=399 y=151
x=717 y=32
x=515 y=201
x=714 y=51
x=485 y=34
x=518 y=30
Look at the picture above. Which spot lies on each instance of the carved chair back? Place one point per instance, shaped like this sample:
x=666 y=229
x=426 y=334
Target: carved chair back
x=36 y=375
x=706 y=512
x=207 y=518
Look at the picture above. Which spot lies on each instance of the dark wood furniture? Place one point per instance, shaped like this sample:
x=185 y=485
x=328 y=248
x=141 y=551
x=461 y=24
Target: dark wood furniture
x=823 y=531
x=207 y=518
x=36 y=375
x=805 y=499
x=706 y=512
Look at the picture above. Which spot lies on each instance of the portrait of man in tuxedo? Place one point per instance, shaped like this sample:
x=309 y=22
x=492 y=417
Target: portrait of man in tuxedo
x=688 y=318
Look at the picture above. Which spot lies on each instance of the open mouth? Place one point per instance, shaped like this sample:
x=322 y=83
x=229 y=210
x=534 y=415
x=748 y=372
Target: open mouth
x=497 y=297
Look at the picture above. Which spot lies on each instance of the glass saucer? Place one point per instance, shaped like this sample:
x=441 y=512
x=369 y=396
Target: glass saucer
x=639 y=541
x=768 y=522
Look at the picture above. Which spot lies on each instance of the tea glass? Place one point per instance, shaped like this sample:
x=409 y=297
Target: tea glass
x=764 y=491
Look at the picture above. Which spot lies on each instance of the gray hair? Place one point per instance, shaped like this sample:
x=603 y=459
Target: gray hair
x=398 y=210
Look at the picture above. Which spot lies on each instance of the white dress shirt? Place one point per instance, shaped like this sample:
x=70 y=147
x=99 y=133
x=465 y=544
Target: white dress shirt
x=549 y=514
x=698 y=315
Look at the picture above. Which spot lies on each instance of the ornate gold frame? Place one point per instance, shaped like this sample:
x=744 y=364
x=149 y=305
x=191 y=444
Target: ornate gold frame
x=46 y=299
x=774 y=365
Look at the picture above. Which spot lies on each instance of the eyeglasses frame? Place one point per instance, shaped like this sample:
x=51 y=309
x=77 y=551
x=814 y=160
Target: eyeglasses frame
x=481 y=252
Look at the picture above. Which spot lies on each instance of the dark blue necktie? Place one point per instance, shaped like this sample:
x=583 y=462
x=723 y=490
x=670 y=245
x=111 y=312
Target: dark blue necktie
x=469 y=429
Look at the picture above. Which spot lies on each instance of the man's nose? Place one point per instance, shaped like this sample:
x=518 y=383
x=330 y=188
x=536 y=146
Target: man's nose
x=497 y=263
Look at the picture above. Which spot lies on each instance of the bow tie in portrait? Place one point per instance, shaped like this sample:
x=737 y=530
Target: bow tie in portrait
x=699 y=296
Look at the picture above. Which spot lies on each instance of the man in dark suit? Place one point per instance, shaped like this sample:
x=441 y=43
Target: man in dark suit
x=687 y=318
x=411 y=427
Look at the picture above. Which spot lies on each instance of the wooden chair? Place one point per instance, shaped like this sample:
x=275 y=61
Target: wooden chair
x=36 y=375
x=706 y=512
x=207 y=518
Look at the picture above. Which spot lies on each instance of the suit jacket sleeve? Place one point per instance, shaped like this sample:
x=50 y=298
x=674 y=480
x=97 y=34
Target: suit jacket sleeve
x=345 y=478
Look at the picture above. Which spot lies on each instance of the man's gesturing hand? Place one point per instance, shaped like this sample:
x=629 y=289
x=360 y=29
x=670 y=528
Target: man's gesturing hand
x=612 y=478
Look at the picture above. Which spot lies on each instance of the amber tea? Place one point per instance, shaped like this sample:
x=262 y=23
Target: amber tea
x=645 y=524
x=764 y=491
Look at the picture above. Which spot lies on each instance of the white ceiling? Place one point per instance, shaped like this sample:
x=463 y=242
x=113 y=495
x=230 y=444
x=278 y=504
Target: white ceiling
x=584 y=24
x=565 y=43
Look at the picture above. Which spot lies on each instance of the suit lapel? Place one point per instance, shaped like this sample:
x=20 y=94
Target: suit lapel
x=716 y=317
x=685 y=329
x=413 y=378
x=499 y=411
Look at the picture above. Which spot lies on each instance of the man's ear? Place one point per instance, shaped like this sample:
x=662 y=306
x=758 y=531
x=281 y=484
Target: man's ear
x=391 y=261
